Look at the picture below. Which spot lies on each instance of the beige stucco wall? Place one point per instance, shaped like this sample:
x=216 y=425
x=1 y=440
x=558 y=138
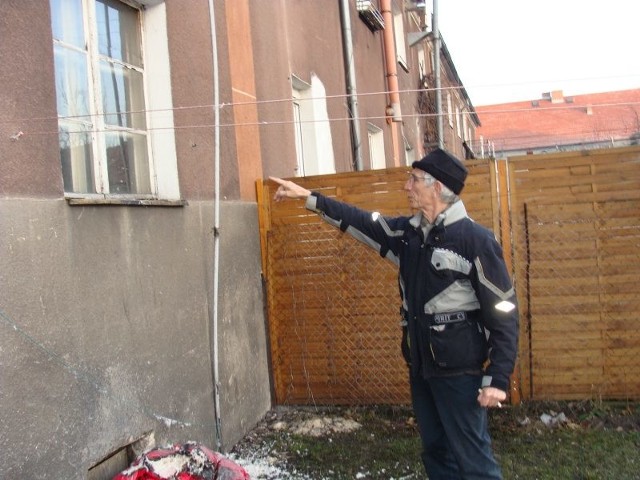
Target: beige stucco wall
x=106 y=311
x=107 y=331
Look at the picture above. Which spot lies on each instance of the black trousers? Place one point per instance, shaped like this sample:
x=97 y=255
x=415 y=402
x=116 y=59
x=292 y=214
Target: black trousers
x=453 y=428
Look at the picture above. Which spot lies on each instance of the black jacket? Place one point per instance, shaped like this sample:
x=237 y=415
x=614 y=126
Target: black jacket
x=450 y=284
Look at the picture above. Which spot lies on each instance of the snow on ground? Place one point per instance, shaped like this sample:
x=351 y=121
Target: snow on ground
x=266 y=469
x=261 y=465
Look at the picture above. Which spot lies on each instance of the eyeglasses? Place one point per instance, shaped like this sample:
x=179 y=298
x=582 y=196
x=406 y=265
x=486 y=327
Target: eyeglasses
x=428 y=179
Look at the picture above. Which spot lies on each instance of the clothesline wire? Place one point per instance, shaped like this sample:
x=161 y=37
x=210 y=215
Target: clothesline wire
x=209 y=106
x=335 y=119
x=225 y=104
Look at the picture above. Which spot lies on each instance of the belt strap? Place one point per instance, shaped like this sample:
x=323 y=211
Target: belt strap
x=447 y=318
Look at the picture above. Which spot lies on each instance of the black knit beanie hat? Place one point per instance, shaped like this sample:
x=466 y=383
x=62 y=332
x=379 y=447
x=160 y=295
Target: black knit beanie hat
x=445 y=168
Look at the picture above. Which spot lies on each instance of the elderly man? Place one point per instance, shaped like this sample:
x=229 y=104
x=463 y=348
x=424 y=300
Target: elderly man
x=459 y=315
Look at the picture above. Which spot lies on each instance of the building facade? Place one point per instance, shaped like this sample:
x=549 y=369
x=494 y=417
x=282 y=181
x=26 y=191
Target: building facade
x=131 y=135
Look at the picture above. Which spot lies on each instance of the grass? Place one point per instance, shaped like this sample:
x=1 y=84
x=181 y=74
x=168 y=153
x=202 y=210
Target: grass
x=385 y=447
x=564 y=454
x=596 y=441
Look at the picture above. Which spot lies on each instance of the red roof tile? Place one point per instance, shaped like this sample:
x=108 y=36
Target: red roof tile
x=596 y=117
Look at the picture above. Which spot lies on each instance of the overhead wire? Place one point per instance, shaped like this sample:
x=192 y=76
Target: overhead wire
x=24 y=124
x=370 y=117
x=210 y=106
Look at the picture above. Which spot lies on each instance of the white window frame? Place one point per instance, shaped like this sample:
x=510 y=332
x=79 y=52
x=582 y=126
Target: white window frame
x=450 y=109
x=299 y=136
x=398 y=31
x=375 y=136
x=465 y=128
x=314 y=144
x=161 y=148
x=416 y=153
x=422 y=65
x=409 y=151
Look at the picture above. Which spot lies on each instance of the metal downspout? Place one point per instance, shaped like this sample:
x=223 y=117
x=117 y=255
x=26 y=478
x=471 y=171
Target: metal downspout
x=347 y=50
x=216 y=226
x=393 y=110
x=436 y=66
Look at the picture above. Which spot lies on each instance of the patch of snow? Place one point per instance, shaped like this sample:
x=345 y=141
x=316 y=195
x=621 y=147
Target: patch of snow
x=265 y=468
x=262 y=465
x=552 y=418
x=318 y=426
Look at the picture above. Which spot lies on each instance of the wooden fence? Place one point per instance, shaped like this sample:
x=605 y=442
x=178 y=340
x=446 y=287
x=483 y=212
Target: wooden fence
x=576 y=226
x=569 y=224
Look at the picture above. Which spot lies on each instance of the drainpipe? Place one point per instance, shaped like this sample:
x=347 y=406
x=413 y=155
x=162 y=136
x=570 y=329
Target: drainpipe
x=393 y=110
x=436 y=66
x=347 y=51
x=216 y=227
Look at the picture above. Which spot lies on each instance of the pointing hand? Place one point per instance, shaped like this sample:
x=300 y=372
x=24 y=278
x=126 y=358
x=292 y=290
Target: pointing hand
x=288 y=189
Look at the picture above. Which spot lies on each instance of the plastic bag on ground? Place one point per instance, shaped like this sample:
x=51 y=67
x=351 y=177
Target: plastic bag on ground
x=183 y=462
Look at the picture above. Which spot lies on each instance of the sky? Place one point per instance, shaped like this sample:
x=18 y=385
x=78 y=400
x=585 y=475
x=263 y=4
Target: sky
x=514 y=50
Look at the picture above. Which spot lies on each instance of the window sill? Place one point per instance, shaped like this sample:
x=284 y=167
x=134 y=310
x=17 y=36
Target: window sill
x=403 y=64
x=126 y=201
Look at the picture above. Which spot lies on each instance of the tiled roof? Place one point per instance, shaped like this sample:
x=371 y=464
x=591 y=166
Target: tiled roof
x=557 y=120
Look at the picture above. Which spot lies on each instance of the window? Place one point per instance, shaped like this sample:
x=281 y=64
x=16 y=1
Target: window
x=314 y=146
x=297 y=124
x=370 y=15
x=450 y=109
x=422 y=66
x=376 y=147
x=105 y=128
x=398 y=30
x=458 y=121
x=409 y=151
x=465 y=129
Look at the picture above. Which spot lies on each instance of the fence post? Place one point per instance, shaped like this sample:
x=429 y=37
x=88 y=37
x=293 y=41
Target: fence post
x=264 y=221
x=506 y=240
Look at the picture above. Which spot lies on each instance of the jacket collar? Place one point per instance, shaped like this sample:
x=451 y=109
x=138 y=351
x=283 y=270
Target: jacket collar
x=455 y=212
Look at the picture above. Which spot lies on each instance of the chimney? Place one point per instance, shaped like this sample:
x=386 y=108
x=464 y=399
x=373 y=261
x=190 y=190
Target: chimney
x=556 y=96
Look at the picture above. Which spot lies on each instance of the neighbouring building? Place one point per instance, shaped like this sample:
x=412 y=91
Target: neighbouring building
x=557 y=122
x=131 y=136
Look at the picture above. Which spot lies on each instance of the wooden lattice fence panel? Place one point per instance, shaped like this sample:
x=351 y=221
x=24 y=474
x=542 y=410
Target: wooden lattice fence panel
x=575 y=217
x=576 y=225
x=332 y=302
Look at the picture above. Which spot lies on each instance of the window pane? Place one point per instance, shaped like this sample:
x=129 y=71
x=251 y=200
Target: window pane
x=118 y=32
x=100 y=97
x=127 y=163
x=66 y=22
x=122 y=96
x=77 y=159
x=72 y=88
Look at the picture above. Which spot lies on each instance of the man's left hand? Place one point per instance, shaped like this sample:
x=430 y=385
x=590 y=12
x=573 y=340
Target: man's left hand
x=491 y=397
